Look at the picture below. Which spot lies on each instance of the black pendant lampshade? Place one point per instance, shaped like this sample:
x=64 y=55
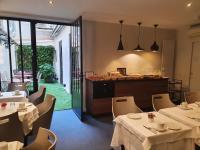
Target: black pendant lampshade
x=154 y=46
x=120 y=46
x=139 y=48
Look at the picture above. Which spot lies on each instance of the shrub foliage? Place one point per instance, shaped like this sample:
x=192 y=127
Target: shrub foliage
x=45 y=54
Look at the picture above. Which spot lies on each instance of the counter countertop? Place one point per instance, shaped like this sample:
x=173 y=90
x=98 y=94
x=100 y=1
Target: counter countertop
x=122 y=78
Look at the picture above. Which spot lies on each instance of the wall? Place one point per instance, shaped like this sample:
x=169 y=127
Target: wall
x=100 y=43
x=184 y=54
x=64 y=36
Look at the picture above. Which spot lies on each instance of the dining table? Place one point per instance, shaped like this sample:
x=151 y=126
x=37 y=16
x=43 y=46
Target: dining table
x=27 y=115
x=188 y=115
x=138 y=133
x=14 y=145
x=13 y=97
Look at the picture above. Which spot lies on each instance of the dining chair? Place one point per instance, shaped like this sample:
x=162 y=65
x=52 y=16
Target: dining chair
x=124 y=105
x=18 y=86
x=45 y=140
x=192 y=97
x=11 y=128
x=38 y=97
x=160 y=101
x=45 y=114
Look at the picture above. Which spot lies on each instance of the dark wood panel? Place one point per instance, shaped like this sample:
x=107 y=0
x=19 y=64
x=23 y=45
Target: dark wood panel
x=142 y=90
x=101 y=106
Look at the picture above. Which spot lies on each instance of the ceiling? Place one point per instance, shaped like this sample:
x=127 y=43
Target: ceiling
x=167 y=13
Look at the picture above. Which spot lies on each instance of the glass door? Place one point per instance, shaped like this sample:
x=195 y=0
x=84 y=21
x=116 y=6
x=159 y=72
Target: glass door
x=76 y=68
x=15 y=53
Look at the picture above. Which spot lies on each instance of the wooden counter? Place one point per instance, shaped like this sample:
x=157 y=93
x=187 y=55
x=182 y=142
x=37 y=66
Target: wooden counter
x=99 y=93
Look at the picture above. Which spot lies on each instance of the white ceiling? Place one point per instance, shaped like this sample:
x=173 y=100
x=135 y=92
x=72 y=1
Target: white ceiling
x=167 y=13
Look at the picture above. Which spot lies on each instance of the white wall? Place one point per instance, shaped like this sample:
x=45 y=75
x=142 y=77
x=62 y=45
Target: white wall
x=183 y=55
x=100 y=41
x=64 y=36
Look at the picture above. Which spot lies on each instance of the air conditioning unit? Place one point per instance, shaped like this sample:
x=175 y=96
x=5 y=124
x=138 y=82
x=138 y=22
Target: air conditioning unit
x=194 y=30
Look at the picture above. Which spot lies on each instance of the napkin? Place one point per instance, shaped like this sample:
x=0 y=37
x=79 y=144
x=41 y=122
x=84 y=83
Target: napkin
x=3 y=146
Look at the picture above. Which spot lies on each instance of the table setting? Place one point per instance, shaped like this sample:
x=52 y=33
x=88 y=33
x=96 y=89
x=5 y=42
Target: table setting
x=188 y=114
x=13 y=96
x=189 y=117
x=152 y=130
x=27 y=112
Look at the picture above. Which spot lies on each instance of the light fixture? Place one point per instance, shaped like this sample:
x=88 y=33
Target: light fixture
x=51 y=2
x=120 y=45
x=139 y=48
x=154 y=46
x=189 y=4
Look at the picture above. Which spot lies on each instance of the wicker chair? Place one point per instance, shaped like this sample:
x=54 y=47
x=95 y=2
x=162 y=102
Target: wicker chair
x=192 y=97
x=38 y=97
x=124 y=105
x=160 y=101
x=11 y=128
x=45 y=140
x=45 y=114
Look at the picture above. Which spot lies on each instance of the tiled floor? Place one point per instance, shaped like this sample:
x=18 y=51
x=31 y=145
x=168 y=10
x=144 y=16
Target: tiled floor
x=93 y=134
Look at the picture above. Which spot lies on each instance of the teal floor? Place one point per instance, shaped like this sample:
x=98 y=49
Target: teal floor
x=63 y=99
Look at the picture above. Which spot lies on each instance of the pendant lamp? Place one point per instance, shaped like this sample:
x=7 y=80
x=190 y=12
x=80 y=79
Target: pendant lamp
x=154 y=46
x=139 y=48
x=120 y=45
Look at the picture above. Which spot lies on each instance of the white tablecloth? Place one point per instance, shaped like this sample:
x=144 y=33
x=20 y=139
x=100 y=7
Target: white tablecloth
x=15 y=145
x=180 y=115
x=134 y=136
x=12 y=97
x=27 y=117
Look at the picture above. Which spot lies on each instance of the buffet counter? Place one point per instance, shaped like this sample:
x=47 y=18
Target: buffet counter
x=100 y=90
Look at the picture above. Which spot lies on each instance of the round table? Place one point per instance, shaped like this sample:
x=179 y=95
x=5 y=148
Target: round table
x=14 y=145
x=26 y=116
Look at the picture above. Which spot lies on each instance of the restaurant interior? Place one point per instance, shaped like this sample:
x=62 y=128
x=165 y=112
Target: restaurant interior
x=99 y=75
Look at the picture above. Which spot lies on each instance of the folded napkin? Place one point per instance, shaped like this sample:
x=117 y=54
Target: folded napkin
x=15 y=145
x=3 y=146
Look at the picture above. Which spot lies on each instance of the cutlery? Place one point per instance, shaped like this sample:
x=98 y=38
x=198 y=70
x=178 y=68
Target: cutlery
x=28 y=105
x=151 y=129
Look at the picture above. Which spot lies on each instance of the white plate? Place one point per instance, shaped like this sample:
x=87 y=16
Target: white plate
x=134 y=116
x=193 y=115
x=197 y=102
x=185 y=108
x=154 y=126
x=173 y=126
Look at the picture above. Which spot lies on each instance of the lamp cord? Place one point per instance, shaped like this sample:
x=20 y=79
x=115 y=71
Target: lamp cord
x=139 y=35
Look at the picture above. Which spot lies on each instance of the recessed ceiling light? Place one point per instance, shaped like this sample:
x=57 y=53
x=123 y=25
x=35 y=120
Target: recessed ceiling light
x=189 y=4
x=51 y=2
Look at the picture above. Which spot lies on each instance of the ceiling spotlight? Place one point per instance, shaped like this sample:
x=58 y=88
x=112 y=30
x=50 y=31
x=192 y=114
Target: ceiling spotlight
x=189 y=4
x=51 y=2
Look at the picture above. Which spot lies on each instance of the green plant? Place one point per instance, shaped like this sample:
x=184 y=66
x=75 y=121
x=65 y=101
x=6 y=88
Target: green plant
x=45 y=54
x=48 y=72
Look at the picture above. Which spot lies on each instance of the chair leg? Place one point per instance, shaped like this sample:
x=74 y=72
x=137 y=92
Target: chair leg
x=197 y=147
x=122 y=147
x=25 y=141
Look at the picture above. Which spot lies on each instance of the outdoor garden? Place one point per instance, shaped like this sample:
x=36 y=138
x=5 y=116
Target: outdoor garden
x=46 y=73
